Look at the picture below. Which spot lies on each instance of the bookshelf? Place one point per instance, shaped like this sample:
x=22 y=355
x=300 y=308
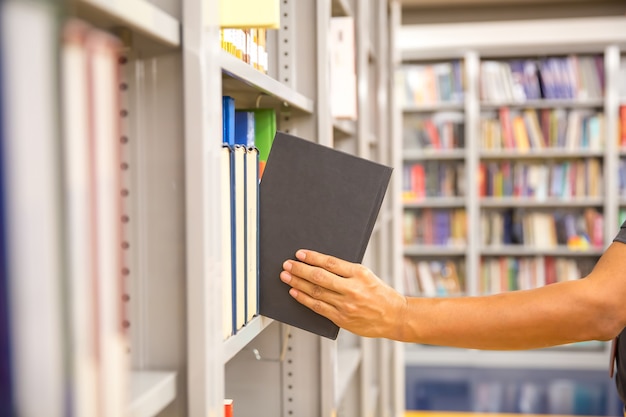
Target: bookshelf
x=173 y=75
x=477 y=46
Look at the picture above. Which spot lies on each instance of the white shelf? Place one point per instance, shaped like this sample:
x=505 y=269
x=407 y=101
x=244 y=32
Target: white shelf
x=540 y=153
x=512 y=202
x=436 y=202
x=138 y=15
x=151 y=392
x=241 y=78
x=348 y=361
x=521 y=250
x=236 y=343
x=435 y=107
x=433 y=154
x=344 y=128
x=540 y=359
x=433 y=250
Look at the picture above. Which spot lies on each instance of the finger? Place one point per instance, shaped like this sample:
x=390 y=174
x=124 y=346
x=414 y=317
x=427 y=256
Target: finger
x=318 y=306
x=313 y=290
x=330 y=263
x=315 y=275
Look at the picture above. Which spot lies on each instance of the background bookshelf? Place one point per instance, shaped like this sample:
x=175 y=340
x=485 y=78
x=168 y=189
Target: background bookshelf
x=500 y=199
x=173 y=75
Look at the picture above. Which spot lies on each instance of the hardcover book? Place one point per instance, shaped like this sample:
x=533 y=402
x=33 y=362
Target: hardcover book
x=313 y=197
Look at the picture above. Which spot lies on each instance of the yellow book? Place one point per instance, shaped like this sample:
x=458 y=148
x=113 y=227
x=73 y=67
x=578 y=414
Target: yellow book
x=250 y=14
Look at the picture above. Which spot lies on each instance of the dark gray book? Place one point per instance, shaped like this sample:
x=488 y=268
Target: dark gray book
x=313 y=197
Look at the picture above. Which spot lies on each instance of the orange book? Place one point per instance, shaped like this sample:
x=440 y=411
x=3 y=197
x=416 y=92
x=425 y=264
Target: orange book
x=521 y=134
x=622 y=122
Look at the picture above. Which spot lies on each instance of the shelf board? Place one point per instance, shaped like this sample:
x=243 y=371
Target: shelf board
x=241 y=80
x=552 y=358
x=343 y=128
x=506 y=202
x=435 y=107
x=348 y=360
x=341 y=8
x=549 y=153
x=432 y=154
x=237 y=342
x=522 y=250
x=153 y=25
x=546 y=104
x=151 y=392
x=436 y=202
x=434 y=250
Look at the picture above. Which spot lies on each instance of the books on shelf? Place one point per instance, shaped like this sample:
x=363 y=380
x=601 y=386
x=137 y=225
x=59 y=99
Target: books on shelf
x=442 y=227
x=434 y=278
x=249 y=45
x=433 y=178
x=518 y=80
x=522 y=273
x=313 y=197
x=432 y=84
x=442 y=131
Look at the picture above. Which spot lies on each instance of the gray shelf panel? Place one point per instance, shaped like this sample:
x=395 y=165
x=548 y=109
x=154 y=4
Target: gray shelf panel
x=348 y=362
x=344 y=128
x=243 y=81
x=434 y=250
x=551 y=153
x=509 y=202
x=546 y=104
x=237 y=342
x=437 y=202
x=433 y=154
x=341 y=8
x=150 y=392
x=436 y=107
x=521 y=250
x=154 y=30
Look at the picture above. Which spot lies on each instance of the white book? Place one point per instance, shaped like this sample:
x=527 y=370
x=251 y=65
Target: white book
x=28 y=41
x=227 y=264
x=79 y=232
x=104 y=81
x=252 y=232
x=239 y=190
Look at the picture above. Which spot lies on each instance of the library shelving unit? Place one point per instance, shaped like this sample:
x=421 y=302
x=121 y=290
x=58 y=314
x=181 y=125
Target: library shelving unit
x=479 y=47
x=174 y=74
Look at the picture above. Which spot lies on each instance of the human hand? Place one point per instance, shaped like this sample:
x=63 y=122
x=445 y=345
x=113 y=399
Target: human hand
x=348 y=294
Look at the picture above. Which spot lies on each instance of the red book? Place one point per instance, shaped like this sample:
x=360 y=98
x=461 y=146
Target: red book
x=622 y=123
x=419 y=181
x=228 y=408
x=433 y=133
x=507 y=128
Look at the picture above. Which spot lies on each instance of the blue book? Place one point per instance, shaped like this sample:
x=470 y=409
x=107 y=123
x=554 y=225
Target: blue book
x=244 y=128
x=6 y=391
x=228 y=120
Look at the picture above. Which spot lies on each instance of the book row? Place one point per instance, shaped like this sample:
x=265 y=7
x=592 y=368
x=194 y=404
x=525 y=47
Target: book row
x=578 y=230
x=519 y=80
x=247 y=139
x=567 y=179
x=447 y=227
x=432 y=278
x=446 y=278
x=523 y=273
x=432 y=83
x=249 y=45
x=432 y=179
x=540 y=129
x=445 y=130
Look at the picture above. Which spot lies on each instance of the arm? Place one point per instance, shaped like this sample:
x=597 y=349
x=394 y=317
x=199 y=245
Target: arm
x=355 y=299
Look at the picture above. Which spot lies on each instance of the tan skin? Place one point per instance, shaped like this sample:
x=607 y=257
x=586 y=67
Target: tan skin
x=355 y=299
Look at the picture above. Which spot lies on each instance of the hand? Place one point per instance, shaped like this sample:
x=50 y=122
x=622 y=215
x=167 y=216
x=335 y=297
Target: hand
x=348 y=294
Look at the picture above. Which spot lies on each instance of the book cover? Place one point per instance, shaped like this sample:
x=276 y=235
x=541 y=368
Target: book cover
x=318 y=198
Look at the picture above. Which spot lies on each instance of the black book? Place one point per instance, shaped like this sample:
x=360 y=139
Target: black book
x=313 y=197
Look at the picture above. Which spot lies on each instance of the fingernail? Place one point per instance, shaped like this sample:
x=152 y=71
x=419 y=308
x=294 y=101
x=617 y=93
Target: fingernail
x=285 y=276
x=301 y=255
x=287 y=266
x=293 y=292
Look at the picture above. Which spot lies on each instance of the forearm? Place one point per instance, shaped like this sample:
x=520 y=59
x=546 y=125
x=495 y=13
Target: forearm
x=556 y=314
